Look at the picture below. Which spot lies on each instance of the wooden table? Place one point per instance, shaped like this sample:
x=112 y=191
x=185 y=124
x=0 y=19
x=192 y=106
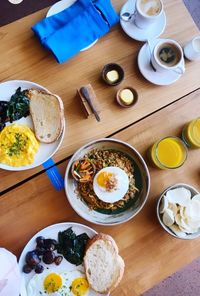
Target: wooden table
x=30 y=203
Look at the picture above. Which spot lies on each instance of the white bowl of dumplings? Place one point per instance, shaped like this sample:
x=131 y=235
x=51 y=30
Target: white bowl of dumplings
x=178 y=211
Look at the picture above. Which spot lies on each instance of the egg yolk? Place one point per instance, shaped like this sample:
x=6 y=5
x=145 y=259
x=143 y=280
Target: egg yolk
x=52 y=283
x=103 y=178
x=80 y=287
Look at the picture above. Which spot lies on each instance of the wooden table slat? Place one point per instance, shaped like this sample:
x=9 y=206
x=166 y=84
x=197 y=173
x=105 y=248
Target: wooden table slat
x=31 y=62
x=35 y=205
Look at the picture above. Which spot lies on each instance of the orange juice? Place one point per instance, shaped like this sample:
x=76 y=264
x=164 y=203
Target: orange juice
x=168 y=153
x=191 y=133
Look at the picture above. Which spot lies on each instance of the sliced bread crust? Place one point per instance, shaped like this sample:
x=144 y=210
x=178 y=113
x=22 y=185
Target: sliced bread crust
x=103 y=265
x=47 y=113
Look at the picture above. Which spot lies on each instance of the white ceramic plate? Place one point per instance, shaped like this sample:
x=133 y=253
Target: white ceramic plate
x=46 y=151
x=52 y=232
x=60 y=6
x=153 y=31
x=160 y=78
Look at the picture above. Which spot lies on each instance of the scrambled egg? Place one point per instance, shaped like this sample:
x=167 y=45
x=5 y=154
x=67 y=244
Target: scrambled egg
x=18 y=145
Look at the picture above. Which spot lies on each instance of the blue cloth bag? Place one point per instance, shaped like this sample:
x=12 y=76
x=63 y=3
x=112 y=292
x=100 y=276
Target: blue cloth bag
x=76 y=27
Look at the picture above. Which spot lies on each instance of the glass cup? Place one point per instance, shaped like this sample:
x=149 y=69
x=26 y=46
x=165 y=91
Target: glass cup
x=168 y=153
x=192 y=49
x=191 y=133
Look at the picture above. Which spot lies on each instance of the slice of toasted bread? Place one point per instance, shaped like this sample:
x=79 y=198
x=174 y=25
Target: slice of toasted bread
x=47 y=113
x=103 y=266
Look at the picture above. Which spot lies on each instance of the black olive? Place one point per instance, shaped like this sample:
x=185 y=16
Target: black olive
x=50 y=244
x=40 y=241
x=32 y=258
x=27 y=268
x=40 y=251
x=48 y=257
x=58 y=260
x=39 y=268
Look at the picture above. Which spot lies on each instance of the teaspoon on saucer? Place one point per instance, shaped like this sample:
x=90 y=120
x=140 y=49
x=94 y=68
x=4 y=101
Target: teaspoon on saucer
x=150 y=51
x=126 y=16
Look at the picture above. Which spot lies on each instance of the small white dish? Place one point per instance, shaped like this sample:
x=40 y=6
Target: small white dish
x=46 y=151
x=60 y=6
x=193 y=191
x=154 y=31
x=159 y=78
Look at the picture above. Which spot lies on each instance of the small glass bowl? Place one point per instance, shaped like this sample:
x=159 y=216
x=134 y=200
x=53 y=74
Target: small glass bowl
x=110 y=67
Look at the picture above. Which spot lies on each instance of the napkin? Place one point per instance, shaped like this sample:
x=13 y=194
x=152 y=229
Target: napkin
x=10 y=277
x=76 y=27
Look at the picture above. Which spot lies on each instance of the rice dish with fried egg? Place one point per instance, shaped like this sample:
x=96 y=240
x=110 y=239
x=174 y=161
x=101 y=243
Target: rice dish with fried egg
x=102 y=159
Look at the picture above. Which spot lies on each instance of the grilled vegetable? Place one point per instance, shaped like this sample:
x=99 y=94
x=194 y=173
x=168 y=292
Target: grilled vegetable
x=72 y=246
x=83 y=170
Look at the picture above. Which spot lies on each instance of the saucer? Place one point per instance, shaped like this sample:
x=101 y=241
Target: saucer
x=60 y=6
x=152 y=32
x=160 y=78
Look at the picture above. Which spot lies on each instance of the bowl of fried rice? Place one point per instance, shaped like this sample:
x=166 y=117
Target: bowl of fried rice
x=105 y=153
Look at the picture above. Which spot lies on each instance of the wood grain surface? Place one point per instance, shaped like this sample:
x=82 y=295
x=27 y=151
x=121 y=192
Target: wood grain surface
x=149 y=252
x=22 y=57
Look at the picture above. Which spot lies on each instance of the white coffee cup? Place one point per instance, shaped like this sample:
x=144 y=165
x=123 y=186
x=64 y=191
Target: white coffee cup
x=147 y=12
x=192 y=49
x=167 y=55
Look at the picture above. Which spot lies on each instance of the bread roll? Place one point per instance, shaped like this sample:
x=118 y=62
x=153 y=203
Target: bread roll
x=103 y=265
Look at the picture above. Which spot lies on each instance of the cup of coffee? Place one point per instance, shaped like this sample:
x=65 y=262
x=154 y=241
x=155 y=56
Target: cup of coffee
x=192 y=49
x=168 y=55
x=147 y=12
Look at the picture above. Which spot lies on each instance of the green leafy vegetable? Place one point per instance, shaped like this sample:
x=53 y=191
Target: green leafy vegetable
x=72 y=246
x=18 y=106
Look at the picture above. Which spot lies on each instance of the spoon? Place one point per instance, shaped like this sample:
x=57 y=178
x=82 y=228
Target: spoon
x=126 y=16
x=150 y=51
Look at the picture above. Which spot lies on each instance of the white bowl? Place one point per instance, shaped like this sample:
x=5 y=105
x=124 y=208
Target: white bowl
x=142 y=174
x=193 y=191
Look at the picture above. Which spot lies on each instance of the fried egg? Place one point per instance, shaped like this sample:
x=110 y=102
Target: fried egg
x=111 y=184
x=73 y=283
x=18 y=145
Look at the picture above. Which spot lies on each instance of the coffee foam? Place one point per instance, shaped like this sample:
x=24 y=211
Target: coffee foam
x=150 y=7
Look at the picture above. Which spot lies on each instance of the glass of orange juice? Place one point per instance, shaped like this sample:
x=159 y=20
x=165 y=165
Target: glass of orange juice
x=191 y=133
x=168 y=153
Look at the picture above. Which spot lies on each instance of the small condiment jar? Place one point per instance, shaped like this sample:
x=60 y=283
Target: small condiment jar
x=127 y=97
x=112 y=74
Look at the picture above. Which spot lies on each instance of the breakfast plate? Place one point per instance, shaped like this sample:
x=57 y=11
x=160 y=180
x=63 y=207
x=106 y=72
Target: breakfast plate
x=159 y=78
x=45 y=151
x=52 y=232
x=153 y=31
x=61 y=5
